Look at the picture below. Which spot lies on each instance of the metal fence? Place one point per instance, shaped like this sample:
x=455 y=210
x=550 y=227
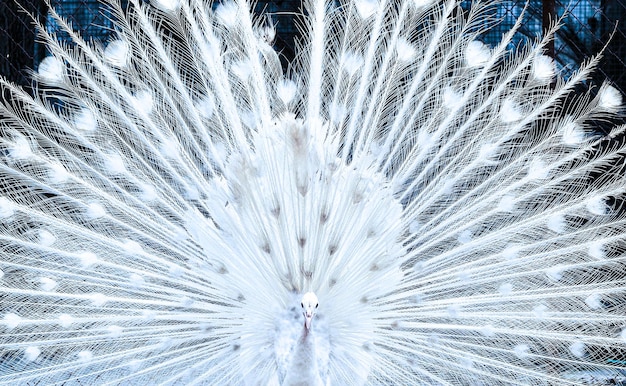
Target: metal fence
x=588 y=27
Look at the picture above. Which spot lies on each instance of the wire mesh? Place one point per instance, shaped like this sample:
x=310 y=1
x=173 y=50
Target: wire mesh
x=88 y=17
x=19 y=50
x=588 y=27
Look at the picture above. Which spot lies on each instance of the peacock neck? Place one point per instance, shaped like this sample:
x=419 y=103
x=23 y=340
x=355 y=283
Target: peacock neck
x=303 y=369
x=305 y=334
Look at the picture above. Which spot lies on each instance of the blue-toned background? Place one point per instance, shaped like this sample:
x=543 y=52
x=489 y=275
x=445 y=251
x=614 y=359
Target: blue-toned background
x=587 y=28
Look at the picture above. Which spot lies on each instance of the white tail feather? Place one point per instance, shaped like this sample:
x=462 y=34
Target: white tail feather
x=166 y=198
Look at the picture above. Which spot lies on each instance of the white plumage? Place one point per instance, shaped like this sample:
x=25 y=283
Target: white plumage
x=303 y=359
x=167 y=199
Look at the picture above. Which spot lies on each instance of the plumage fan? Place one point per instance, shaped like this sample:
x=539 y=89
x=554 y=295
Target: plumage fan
x=169 y=199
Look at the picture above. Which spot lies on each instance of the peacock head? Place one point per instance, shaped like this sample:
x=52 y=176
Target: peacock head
x=309 y=304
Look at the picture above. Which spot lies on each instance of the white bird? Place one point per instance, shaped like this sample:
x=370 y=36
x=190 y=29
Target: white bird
x=168 y=198
x=303 y=369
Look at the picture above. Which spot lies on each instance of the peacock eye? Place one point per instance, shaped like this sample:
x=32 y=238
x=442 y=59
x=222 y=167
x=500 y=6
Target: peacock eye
x=302 y=305
x=317 y=305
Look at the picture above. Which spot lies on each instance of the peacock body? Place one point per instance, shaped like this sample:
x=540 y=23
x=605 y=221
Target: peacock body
x=166 y=200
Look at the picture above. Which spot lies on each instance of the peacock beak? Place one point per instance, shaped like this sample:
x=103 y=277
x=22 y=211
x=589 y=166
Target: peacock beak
x=308 y=317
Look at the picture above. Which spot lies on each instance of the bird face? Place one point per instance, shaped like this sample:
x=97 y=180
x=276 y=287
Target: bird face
x=309 y=306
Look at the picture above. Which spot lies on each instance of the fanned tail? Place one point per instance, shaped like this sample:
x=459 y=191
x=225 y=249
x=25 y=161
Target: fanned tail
x=165 y=196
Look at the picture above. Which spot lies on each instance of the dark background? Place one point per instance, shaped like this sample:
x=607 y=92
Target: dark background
x=587 y=29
